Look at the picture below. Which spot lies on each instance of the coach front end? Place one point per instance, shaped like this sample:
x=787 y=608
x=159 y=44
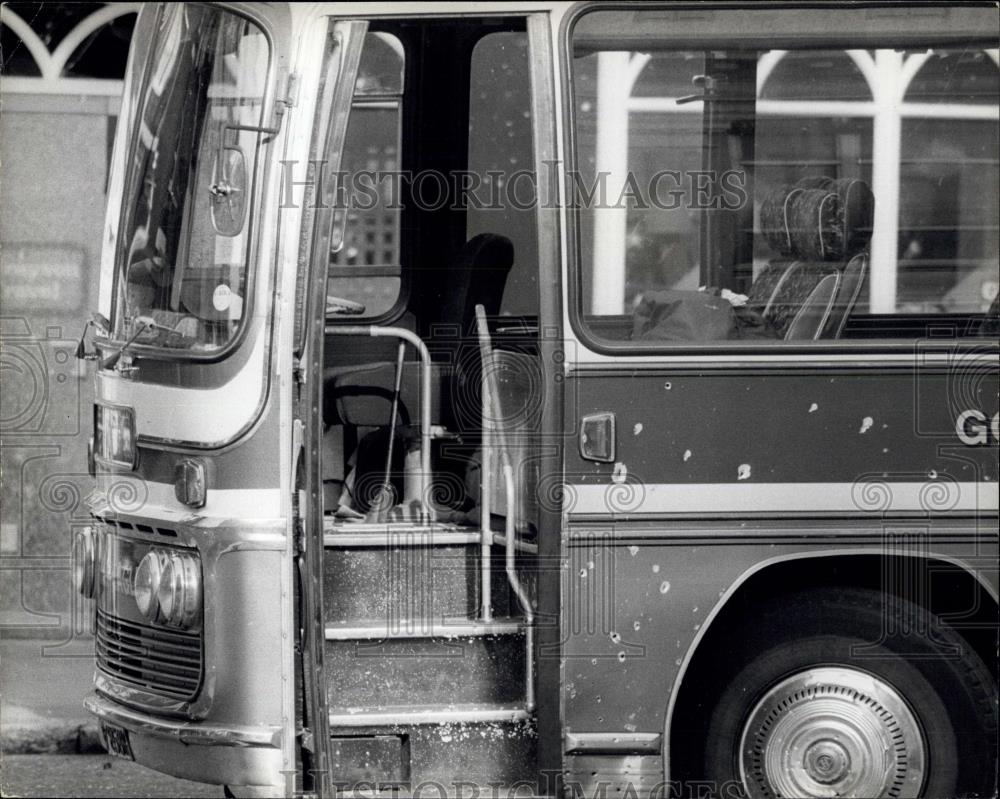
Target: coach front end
x=189 y=556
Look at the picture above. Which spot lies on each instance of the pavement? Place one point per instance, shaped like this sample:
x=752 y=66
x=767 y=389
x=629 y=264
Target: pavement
x=93 y=776
x=42 y=686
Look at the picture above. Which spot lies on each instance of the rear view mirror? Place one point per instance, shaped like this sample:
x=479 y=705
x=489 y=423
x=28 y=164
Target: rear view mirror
x=228 y=190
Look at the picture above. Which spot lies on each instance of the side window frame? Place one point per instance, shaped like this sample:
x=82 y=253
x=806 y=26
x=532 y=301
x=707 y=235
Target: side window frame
x=951 y=333
x=340 y=214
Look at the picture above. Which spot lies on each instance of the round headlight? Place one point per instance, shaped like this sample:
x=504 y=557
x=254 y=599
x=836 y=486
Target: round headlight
x=85 y=561
x=146 y=583
x=179 y=593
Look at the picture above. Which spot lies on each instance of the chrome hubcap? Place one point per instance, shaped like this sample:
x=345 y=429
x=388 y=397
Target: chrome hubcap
x=832 y=732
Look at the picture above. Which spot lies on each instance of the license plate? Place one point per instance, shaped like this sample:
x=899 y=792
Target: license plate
x=116 y=740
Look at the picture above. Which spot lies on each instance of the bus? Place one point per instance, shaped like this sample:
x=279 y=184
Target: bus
x=547 y=398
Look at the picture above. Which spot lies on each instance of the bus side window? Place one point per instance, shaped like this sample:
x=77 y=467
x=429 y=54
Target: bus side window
x=747 y=172
x=501 y=159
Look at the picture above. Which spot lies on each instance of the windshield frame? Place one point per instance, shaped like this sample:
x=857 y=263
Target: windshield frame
x=142 y=74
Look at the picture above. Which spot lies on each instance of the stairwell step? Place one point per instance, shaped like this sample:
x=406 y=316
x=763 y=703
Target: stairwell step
x=423 y=628
x=404 y=716
x=425 y=672
x=441 y=758
x=364 y=534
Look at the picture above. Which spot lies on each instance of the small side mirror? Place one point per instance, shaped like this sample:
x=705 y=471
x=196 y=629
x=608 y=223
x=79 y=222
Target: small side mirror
x=102 y=323
x=229 y=190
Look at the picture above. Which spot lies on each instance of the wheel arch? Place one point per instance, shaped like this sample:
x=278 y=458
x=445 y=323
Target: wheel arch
x=847 y=568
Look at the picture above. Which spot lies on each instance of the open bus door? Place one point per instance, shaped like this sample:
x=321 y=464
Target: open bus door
x=341 y=60
x=426 y=388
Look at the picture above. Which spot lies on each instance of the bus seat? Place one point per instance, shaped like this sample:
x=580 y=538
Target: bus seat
x=478 y=277
x=362 y=395
x=821 y=228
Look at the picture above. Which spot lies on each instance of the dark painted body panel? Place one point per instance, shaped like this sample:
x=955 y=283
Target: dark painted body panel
x=642 y=582
x=810 y=425
x=633 y=607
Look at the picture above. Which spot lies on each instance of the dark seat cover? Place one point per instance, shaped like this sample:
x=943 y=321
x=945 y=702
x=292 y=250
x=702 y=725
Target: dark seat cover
x=821 y=228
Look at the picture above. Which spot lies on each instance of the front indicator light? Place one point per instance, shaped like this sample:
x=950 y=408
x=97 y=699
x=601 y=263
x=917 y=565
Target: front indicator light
x=147 y=581
x=179 y=593
x=85 y=561
x=189 y=482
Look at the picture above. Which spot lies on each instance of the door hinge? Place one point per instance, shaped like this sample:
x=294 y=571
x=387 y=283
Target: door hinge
x=291 y=98
x=298 y=536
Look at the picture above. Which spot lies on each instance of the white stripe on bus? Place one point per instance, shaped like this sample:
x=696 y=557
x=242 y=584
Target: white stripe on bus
x=933 y=496
x=132 y=496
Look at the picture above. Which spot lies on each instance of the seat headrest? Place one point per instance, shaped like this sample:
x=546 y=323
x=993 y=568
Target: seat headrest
x=819 y=218
x=477 y=278
x=485 y=252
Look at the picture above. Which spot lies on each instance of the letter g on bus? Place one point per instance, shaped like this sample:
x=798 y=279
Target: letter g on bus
x=972 y=429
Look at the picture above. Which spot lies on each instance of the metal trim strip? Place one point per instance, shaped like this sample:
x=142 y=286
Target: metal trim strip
x=407 y=538
x=190 y=733
x=403 y=716
x=613 y=743
x=427 y=628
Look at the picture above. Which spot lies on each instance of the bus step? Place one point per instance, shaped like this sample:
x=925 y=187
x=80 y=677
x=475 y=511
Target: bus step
x=375 y=585
x=425 y=671
x=406 y=716
x=364 y=534
x=424 y=628
x=444 y=751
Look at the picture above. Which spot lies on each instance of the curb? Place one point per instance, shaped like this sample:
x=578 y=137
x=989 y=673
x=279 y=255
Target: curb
x=60 y=739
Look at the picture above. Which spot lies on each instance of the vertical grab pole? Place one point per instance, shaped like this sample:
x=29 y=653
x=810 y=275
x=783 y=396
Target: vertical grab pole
x=510 y=527
x=522 y=596
x=383 y=503
x=485 y=512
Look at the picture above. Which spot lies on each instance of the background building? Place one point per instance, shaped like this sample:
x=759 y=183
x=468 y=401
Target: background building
x=61 y=70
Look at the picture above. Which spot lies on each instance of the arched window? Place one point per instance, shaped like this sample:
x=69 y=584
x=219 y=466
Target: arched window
x=813 y=75
x=948 y=238
x=55 y=46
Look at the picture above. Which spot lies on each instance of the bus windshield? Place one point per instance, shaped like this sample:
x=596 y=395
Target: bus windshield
x=183 y=261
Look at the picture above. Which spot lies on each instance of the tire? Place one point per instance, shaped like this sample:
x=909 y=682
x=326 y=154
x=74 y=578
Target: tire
x=809 y=706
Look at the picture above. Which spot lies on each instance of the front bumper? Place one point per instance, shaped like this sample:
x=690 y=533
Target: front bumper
x=193 y=750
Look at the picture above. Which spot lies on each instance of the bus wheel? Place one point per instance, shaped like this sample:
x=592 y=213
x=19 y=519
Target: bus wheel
x=852 y=693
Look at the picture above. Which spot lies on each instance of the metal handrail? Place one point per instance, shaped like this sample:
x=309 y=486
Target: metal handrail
x=425 y=393
x=492 y=392
x=485 y=511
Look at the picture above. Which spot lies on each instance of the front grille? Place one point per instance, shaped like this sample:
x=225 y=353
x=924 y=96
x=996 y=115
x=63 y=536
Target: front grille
x=164 y=662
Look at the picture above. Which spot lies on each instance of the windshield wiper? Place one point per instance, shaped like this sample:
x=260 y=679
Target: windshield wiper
x=111 y=361
x=144 y=324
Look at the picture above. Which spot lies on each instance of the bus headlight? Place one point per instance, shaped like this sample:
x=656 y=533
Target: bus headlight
x=85 y=561
x=114 y=435
x=146 y=583
x=179 y=593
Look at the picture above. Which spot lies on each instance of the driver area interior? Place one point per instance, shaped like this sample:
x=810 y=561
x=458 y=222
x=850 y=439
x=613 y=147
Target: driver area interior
x=439 y=252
